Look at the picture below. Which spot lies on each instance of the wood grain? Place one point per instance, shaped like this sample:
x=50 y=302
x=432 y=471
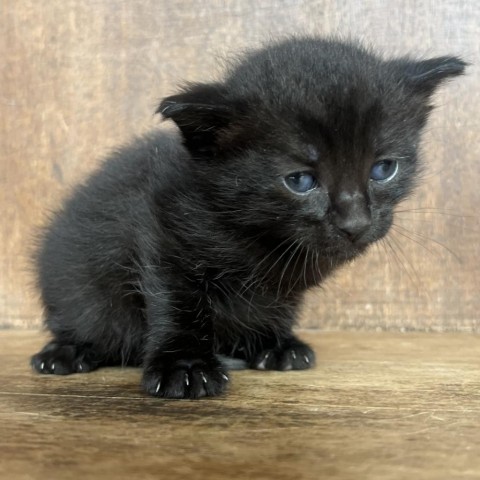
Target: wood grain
x=79 y=78
x=377 y=406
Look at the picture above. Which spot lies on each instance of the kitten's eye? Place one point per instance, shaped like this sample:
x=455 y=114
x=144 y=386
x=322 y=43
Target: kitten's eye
x=300 y=182
x=384 y=170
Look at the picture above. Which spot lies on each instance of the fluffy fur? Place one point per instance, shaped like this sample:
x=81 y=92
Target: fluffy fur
x=183 y=248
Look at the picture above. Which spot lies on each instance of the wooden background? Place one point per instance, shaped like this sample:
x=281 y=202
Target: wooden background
x=81 y=76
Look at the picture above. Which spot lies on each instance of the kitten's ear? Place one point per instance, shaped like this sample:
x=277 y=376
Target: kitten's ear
x=200 y=111
x=426 y=75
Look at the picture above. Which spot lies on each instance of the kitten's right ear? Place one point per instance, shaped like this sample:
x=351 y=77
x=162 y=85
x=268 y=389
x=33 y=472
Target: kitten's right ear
x=200 y=111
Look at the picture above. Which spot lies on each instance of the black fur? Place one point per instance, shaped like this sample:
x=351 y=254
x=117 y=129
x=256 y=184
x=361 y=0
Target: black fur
x=176 y=252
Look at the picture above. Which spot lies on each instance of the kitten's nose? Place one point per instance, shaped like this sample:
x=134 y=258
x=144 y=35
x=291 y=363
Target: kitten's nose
x=352 y=214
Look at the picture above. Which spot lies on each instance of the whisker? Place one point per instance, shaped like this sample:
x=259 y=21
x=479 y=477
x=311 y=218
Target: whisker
x=385 y=249
x=424 y=220
x=291 y=286
x=285 y=269
x=253 y=279
x=436 y=211
x=434 y=253
x=386 y=244
x=419 y=235
x=404 y=266
x=305 y=267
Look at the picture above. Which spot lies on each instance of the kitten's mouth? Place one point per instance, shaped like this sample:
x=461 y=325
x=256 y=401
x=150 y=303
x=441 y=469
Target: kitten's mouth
x=344 y=250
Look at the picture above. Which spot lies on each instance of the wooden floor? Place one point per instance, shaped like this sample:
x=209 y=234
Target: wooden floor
x=377 y=406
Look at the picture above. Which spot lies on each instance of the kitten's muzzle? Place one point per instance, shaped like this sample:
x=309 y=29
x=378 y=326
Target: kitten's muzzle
x=353 y=227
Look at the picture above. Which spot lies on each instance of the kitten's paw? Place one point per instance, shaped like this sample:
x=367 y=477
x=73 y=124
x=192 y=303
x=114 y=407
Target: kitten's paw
x=185 y=378
x=293 y=355
x=59 y=359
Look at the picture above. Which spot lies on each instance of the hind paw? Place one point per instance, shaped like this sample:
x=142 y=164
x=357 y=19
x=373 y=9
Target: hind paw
x=58 y=359
x=293 y=355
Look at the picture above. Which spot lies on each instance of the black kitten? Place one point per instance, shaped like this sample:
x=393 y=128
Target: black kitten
x=177 y=251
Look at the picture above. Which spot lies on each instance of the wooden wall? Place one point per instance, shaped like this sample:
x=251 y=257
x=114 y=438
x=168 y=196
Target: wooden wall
x=78 y=77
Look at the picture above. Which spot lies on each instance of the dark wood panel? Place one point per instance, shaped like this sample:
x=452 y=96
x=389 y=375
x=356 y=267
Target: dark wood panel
x=81 y=77
x=377 y=406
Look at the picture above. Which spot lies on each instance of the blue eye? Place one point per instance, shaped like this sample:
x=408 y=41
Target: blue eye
x=384 y=170
x=300 y=182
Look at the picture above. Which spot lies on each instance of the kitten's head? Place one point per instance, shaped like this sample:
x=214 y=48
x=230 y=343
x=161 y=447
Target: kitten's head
x=312 y=140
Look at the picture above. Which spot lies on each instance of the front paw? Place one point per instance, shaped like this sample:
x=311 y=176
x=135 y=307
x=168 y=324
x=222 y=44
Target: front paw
x=292 y=355
x=185 y=378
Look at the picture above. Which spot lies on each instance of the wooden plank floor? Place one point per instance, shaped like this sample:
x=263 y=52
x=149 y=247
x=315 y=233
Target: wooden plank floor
x=377 y=406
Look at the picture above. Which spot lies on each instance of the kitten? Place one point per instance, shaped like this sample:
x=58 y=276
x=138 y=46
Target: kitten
x=180 y=250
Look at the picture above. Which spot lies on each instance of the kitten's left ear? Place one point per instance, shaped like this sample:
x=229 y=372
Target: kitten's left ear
x=200 y=111
x=426 y=75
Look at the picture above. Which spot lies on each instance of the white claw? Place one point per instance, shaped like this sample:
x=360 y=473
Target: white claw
x=159 y=384
x=306 y=359
x=42 y=365
x=294 y=355
x=187 y=381
x=203 y=377
x=53 y=367
x=80 y=367
x=287 y=366
x=263 y=364
x=225 y=377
